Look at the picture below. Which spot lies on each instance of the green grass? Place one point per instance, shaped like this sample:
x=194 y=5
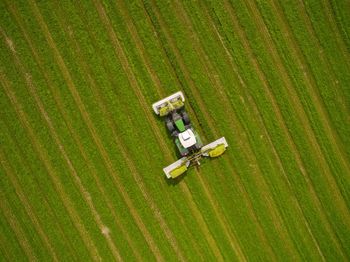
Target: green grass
x=82 y=152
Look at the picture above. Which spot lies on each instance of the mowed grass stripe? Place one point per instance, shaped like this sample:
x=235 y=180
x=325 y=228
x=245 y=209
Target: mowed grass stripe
x=121 y=55
x=332 y=80
x=42 y=153
x=298 y=108
x=93 y=131
x=334 y=147
x=17 y=230
x=251 y=103
x=310 y=80
x=77 y=140
x=27 y=206
x=336 y=192
x=41 y=200
x=340 y=179
x=334 y=28
x=54 y=135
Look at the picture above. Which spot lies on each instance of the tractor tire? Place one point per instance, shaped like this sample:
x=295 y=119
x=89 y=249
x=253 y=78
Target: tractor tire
x=185 y=118
x=170 y=126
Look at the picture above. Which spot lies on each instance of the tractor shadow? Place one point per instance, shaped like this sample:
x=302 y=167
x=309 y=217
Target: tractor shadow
x=175 y=181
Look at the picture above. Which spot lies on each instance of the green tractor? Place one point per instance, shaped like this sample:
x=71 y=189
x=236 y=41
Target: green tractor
x=185 y=136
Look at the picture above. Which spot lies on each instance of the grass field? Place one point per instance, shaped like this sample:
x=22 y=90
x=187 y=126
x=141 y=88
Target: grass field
x=82 y=152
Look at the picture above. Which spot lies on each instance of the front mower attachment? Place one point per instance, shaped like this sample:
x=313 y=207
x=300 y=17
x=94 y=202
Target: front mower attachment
x=166 y=105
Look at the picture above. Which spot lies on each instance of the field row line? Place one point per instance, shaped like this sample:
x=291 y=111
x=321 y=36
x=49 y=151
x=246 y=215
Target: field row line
x=317 y=42
x=210 y=72
x=155 y=79
x=223 y=224
x=45 y=201
x=339 y=39
x=77 y=181
x=279 y=115
x=77 y=99
x=43 y=155
x=254 y=107
x=311 y=82
x=17 y=229
x=25 y=203
x=202 y=56
x=299 y=110
x=139 y=44
x=134 y=84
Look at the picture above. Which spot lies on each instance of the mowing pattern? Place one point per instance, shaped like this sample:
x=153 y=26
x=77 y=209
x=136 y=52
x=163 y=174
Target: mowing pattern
x=82 y=152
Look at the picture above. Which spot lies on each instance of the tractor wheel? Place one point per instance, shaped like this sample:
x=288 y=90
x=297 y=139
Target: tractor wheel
x=170 y=126
x=185 y=118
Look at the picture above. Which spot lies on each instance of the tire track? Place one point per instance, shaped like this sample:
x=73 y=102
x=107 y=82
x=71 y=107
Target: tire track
x=92 y=130
x=17 y=229
x=77 y=140
x=253 y=105
x=27 y=206
x=134 y=84
x=43 y=155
